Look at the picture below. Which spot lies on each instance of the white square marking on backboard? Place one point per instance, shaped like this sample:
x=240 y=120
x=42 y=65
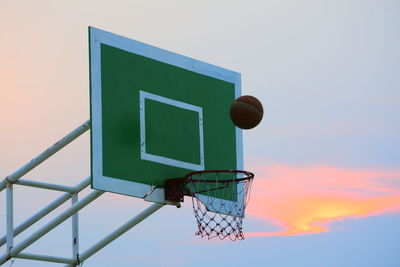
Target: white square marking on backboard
x=161 y=159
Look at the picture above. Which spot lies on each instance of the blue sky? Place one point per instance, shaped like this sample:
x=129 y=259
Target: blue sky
x=327 y=74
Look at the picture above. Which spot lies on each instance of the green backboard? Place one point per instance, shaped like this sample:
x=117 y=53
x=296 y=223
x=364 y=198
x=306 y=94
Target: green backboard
x=157 y=115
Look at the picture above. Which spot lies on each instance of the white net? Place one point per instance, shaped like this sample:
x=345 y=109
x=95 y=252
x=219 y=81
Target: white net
x=219 y=201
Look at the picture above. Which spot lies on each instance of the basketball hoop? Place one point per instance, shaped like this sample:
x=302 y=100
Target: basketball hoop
x=219 y=199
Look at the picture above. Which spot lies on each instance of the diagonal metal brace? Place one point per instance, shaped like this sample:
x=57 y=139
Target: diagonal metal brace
x=117 y=233
x=45 y=155
x=46 y=210
x=49 y=226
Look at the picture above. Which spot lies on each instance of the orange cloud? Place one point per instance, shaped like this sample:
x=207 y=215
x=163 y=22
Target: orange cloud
x=305 y=200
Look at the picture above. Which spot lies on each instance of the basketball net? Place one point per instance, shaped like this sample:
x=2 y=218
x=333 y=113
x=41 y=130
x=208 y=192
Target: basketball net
x=219 y=201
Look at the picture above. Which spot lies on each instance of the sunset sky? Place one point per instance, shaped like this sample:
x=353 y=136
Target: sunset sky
x=326 y=156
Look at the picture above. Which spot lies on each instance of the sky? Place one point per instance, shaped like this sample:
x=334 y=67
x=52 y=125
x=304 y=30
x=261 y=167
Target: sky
x=326 y=155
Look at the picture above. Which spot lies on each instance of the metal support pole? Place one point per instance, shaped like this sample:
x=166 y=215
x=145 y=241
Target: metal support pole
x=30 y=256
x=10 y=216
x=75 y=230
x=118 y=232
x=43 y=185
x=51 y=225
x=46 y=210
x=45 y=154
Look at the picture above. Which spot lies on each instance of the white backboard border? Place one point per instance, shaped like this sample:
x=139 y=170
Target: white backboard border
x=98 y=37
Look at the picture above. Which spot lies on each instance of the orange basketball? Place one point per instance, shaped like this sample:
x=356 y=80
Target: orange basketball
x=246 y=112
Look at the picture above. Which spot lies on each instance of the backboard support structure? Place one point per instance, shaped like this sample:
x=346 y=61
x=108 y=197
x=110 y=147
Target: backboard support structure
x=15 y=250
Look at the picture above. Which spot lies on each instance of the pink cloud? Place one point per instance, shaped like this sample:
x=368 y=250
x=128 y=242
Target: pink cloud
x=304 y=200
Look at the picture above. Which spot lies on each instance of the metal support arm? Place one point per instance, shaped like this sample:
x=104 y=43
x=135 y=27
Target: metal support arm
x=15 y=250
x=36 y=257
x=45 y=155
x=118 y=232
x=46 y=210
x=52 y=224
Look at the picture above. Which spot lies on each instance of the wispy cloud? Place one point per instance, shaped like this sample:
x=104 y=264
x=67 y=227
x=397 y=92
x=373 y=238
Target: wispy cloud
x=305 y=200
